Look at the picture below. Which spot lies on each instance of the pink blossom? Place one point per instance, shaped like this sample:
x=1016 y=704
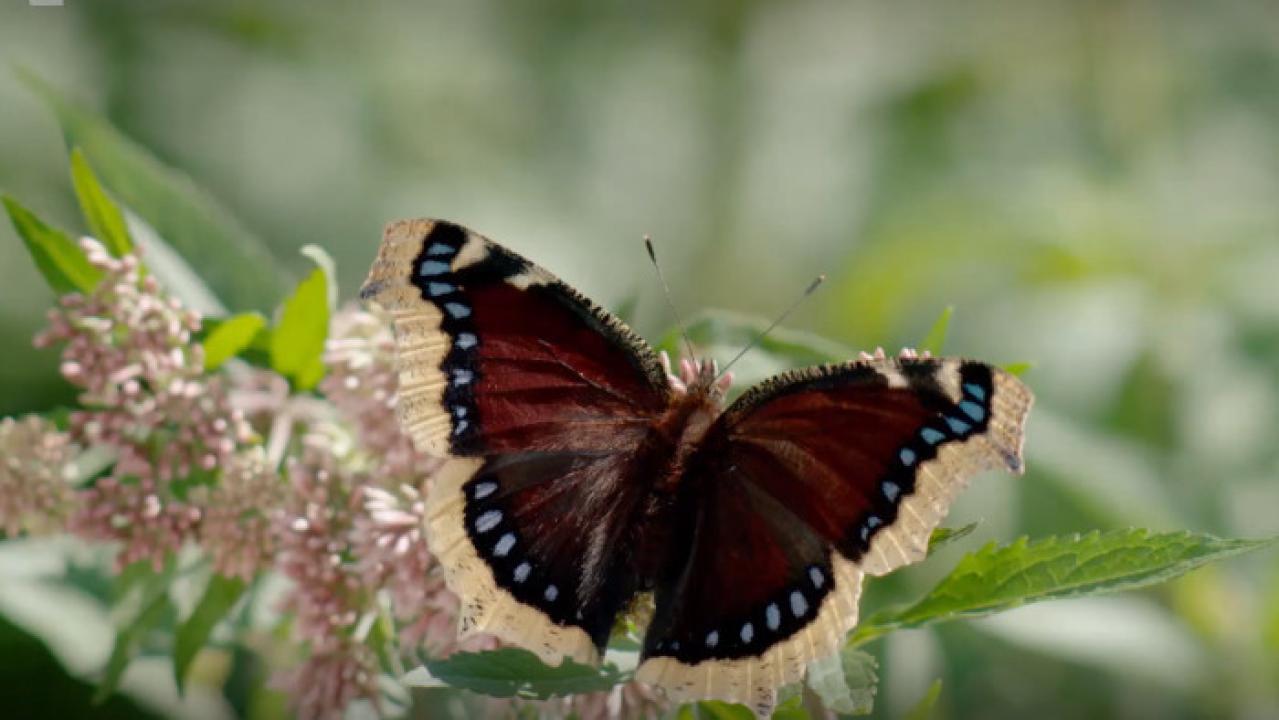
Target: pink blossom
x=35 y=460
x=131 y=508
x=130 y=349
x=237 y=530
x=313 y=530
x=328 y=681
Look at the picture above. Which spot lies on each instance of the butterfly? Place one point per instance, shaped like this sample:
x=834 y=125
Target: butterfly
x=581 y=478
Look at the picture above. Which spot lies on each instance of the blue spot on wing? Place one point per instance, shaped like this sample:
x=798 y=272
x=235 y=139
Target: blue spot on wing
x=931 y=436
x=975 y=390
x=973 y=410
x=433 y=267
x=957 y=426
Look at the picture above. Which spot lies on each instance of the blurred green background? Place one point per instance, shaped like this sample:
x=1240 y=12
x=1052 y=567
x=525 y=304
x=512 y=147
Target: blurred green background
x=1093 y=185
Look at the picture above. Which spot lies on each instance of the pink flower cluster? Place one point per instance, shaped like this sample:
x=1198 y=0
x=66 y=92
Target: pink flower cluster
x=237 y=530
x=343 y=520
x=35 y=483
x=130 y=349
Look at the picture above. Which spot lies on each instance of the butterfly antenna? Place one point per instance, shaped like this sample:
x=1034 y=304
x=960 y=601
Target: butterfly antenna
x=666 y=292
x=812 y=287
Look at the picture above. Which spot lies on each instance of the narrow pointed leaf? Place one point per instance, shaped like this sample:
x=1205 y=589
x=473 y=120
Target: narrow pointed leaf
x=923 y=709
x=237 y=266
x=57 y=256
x=935 y=341
x=106 y=222
x=220 y=596
x=155 y=607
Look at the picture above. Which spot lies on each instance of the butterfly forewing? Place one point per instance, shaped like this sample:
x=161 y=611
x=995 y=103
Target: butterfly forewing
x=544 y=401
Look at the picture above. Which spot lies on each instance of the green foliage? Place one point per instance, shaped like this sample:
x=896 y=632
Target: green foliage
x=509 y=672
x=231 y=336
x=106 y=222
x=220 y=596
x=944 y=536
x=152 y=590
x=923 y=709
x=845 y=681
x=935 y=341
x=1002 y=577
x=234 y=263
x=1018 y=368
x=58 y=258
x=297 y=341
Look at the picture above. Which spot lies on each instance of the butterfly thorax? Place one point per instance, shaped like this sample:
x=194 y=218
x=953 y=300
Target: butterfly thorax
x=685 y=423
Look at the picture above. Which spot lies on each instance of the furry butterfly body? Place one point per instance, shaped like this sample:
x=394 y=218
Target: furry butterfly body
x=580 y=477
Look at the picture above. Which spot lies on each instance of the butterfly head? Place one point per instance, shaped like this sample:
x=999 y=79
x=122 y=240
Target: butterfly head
x=698 y=378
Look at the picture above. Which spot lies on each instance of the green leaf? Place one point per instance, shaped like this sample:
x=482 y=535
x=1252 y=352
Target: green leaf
x=944 y=536
x=512 y=671
x=1018 y=368
x=221 y=594
x=845 y=681
x=106 y=222
x=792 y=708
x=155 y=607
x=935 y=341
x=297 y=342
x=58 y=258
x=998 y=578
x=230 y=337
x=923 y=709
x=237 y=265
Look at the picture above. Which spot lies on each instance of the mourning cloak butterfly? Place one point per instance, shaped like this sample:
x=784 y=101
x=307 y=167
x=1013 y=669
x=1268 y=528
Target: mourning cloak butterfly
x=580 y=477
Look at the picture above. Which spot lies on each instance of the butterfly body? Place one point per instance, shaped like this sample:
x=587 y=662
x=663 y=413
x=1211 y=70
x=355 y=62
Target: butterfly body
x=581 y=476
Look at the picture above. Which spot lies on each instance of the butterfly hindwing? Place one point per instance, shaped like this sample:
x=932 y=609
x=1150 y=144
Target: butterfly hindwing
x=806 y=483
x=543 y=401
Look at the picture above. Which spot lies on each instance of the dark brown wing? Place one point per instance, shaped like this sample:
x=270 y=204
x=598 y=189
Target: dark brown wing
x=804 y=484
x=545 y=403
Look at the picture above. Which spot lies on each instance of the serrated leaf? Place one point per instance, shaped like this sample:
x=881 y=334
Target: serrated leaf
x=297 y=341
x=106 y=222
x=943 y=536
x=220 y=595
x=935 y=341
x=230 y=337
x=237 y=265
x=1001 y=577
x=155 y=606
x=57 y=256
x=923 y=709
x=845 y=681
x=512 y=671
